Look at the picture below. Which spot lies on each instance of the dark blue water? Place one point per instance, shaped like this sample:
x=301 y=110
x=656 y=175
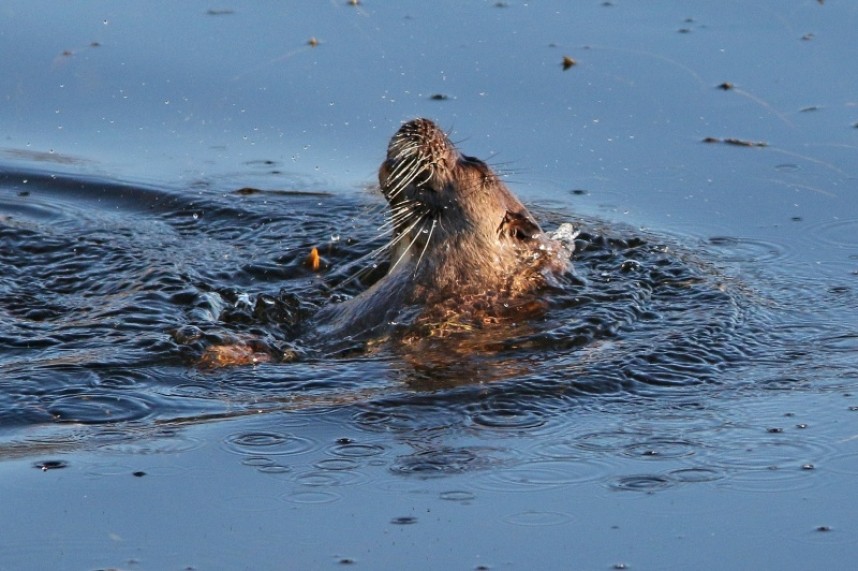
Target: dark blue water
x=688 y=399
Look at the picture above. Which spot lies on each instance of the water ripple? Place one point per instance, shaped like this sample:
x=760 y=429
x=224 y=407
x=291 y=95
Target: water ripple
x=100 y=407
x=329 y=478
x=735 y=249
x=268 y=444
x=538 y=519
x=641 y=483
x=508 y=414
x=540 y=475
x=696 y=475
x=357 y=450
x=337 y=464
x=111 y=293
x=165 y=442
x=311 y=497
x=841 y=234
x=662 y=448
x=444 y=461
x=461 y=496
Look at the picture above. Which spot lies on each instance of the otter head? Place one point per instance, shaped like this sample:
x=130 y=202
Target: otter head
x=453 y=219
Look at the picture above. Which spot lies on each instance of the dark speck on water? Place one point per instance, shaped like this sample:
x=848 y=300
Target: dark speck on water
x=51 y=465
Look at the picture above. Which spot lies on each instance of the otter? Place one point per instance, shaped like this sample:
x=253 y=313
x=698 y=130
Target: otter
x=465 y=254
x=464 y=251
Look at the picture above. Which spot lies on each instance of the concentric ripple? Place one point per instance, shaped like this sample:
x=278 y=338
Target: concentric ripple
x=268 y=444
x=539 y=475
x=840 y=233
x=736 y=249
x=641 y=483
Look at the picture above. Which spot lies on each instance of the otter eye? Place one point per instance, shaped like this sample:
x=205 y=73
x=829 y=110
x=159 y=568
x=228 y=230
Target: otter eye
x=476 y=163
x=482 y=168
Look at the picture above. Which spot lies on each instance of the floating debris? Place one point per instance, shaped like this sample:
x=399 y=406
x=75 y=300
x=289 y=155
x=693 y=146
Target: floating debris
x=50 y=465
x=736 y=142
x=314 y=261
x=744 y=143
x=568 y=62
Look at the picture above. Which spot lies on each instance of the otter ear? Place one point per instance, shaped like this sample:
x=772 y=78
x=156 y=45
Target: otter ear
x=519 y=225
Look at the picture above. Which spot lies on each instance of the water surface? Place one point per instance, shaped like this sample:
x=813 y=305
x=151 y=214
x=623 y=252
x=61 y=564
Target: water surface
x=687 y=400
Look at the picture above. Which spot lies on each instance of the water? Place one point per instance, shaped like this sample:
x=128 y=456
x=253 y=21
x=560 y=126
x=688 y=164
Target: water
x=689 y=399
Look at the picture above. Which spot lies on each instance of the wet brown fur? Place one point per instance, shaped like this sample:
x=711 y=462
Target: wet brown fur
x=465 y=252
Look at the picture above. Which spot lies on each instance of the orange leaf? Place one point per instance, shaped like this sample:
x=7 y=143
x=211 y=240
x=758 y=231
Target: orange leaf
x=313 y=261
